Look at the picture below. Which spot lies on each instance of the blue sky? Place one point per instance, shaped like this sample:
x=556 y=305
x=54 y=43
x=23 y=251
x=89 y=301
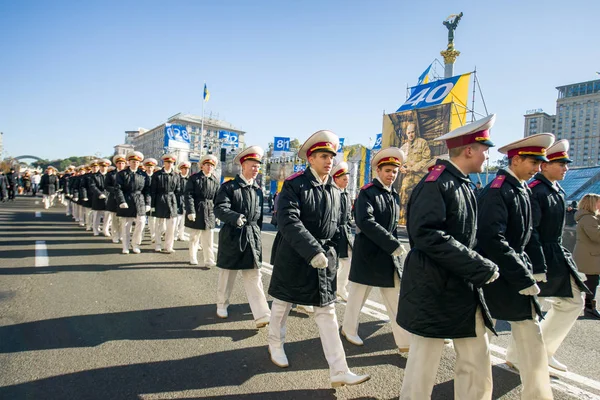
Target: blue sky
x=75 y=75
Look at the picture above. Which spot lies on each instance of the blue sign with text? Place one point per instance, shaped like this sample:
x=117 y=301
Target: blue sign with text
x=229 y=138
x=281 y=144
x=377 y=144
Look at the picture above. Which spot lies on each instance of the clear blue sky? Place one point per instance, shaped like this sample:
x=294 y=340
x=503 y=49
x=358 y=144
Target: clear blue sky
x=75 y=75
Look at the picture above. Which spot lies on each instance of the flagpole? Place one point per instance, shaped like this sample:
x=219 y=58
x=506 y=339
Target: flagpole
x=202 y=122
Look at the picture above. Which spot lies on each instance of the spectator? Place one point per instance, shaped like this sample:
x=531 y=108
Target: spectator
x=587 y=248
x=35 y=183
x=570 y=216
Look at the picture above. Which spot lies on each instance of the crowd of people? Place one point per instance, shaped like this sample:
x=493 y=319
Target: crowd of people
x=474 y=258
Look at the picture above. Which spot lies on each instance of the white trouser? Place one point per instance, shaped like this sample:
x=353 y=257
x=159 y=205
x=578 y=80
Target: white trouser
x=472 y=372
x=82 y=215
x=561 y=317
x=136 y=238
x=115 y=228
x=69 y=210
x=48 y=200
x=107 y=222
x=204 y=236
x=342 y=274
x=527 y=350
x=180 y=227
x=97 y=216
x=252 y=284
x=328 y=331
x=356 y=299
x=166 y=225
x=88 y=218
x=152 y=227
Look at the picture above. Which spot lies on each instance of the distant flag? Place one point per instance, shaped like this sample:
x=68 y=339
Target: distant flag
x=206 y=93
x=424 y=78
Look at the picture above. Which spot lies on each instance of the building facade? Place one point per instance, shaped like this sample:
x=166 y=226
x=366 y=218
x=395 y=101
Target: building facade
x=537 y=121
x=577 y=109
x=576 y=119
x=152 y=142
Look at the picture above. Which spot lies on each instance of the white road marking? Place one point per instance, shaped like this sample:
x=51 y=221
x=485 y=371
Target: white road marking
x=41 y=254
x=38 y=214
x=37 y=202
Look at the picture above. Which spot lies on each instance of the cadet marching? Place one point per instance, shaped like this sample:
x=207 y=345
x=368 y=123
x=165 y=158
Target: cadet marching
x=473 y=259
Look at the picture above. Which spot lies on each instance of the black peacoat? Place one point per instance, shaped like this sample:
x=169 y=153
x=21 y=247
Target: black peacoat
x=132 y=188
x=441 y=283
x=239 y=247
x=181 y=196
x=308 y=214
x=376 y=216
x=200 y=194
x=545 y=248
x=504 y=229
x=97 y=187
x=109 y=183
x=49 y=184
x=164 y=191
x=343 y=237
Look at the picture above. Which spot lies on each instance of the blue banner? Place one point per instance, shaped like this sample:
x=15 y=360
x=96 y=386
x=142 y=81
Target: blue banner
x=281 y=144
x=341 y=148
x=430 y=94
x=229 y=138
x=176 y=136
x=377 y=144
x=300 y=167
x=368 y=166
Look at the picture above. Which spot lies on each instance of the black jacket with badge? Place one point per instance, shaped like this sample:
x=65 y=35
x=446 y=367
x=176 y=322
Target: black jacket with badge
x=376 y=216
x=164 y=191
x=240 y=247
x=545 y=248
x=442 y=278
x=200 y=195
x=308 y=214
x=74 y=188
x=504 y=229
x=132 y=188
x=97 y=187
x=343 y=237
x=109 y=183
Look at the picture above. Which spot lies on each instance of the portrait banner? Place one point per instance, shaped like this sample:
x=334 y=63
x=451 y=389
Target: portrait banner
x=414 y=132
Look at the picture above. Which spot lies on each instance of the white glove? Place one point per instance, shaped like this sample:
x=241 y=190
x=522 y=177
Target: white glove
x=153 y=209
x=531 y=290
x=399 y=251
x=241 y=220
x=540 y=277
x=192 y=217
x=494 y=277
x=102 y=196
x=148 y=208
x=85 y=199
x=319 y=261
x=76 y=199
x=217 y=221
x=123 y=205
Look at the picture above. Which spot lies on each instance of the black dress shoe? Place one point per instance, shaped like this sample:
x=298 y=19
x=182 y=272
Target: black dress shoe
x=592 y=312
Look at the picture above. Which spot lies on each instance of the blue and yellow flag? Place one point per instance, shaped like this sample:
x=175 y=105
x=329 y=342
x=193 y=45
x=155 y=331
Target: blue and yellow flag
x=424 y=78
x=206 y=93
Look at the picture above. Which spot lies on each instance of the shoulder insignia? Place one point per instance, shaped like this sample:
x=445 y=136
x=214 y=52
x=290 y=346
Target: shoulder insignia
x=534 y=183
x=368 y=185
x=498 y=182
x=435 y=173
x=294 y=176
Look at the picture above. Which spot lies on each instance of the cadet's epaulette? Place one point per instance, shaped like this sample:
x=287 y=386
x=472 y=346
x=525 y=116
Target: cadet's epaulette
x=534 y=183
x=368 y=185
x=435 y=173
x=498 y=182
x=294 y=176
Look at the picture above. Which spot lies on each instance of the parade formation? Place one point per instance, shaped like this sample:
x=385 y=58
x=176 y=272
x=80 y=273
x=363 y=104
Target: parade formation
x=473 y=258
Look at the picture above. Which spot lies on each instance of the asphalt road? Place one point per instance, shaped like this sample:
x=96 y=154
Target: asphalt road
x=91 y=323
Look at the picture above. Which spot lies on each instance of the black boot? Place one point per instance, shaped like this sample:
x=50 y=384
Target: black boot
x=591 y=311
